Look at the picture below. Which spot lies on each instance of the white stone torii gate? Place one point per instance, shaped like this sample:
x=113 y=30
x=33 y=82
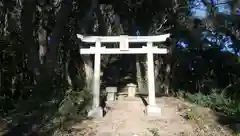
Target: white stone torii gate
x=124 y=41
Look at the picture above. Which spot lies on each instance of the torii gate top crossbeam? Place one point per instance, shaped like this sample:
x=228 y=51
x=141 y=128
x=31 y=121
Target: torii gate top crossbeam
x=124 y=41
x=131 y=39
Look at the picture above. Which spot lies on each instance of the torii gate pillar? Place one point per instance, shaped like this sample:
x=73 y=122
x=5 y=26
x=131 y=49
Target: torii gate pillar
x=151 y=109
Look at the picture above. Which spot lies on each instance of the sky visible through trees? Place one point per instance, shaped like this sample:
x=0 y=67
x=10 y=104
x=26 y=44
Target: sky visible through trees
x=199 y=10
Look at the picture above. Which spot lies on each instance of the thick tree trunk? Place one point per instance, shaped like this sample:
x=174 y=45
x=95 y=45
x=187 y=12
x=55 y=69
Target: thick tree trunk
x=88 y=62
x=29 y=7
x=57 y=33
x=28 y=12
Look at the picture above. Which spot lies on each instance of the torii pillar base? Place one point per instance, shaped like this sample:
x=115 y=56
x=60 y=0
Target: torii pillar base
x=96 y=113
x=153 y=111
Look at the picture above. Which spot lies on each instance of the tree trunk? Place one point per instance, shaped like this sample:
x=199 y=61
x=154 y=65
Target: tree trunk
x=57 y=33
x=5 y=32
x=88 y=71
x=140 y=75
x=28 y=12
x=88 y=62
x=157 y=67
x=169 y=65
x=167 y=79
x=42 y=39
x=67 y=75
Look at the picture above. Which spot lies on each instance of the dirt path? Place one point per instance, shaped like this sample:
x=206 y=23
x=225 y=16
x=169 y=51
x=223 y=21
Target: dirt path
x=126 y=118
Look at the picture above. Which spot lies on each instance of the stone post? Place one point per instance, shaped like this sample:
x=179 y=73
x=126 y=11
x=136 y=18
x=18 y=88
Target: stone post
x=111 y=93
x=131 y=89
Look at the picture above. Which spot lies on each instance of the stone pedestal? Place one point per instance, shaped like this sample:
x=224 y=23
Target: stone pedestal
x=111 y=93
x=96 y=113
x=153 y=111
x=131 y=89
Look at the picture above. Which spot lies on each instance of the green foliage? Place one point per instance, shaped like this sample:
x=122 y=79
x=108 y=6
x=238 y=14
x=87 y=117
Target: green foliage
x=217 y=101
x=194 y=115
x=191 y=115
x=75 y=102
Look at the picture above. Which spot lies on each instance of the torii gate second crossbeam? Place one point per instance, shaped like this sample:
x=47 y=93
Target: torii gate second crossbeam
x=124 y=41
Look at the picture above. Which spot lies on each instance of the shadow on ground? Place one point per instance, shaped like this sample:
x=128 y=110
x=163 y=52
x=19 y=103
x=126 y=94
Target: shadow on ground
x=143 y=99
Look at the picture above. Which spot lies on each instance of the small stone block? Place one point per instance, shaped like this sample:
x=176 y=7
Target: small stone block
x=111 y=89
x=131 y=89
x=111 y=93
x=96 y=113
x=111 y=96
x=131 y=93
x=153 y=111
